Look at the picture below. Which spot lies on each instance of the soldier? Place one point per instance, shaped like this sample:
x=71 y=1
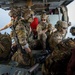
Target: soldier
x=59 y=55
x=58 y=35
x=44 y=28
x=20 y=29
x=28 y=17
x=55 y=40
x=44 y=15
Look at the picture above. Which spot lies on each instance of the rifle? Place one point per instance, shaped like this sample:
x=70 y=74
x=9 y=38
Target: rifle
x=17 y=40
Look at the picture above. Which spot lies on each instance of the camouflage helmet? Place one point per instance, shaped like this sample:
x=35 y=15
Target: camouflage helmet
x=15 y=11
x=44 y=15
x=61 y=24
x=27 y=13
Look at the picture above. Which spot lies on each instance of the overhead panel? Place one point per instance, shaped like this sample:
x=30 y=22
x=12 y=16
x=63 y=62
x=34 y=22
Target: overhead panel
x=51 y=4
x=54 y=5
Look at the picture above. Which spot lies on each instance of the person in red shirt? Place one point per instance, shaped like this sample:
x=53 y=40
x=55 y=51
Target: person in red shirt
x=33 y=26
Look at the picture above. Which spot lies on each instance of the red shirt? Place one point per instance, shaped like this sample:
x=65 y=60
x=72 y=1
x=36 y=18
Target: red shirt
x=34 y=24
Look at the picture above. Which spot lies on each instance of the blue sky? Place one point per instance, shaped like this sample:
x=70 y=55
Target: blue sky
x=4 y=18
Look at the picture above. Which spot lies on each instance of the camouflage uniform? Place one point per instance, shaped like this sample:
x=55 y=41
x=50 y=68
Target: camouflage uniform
x=44 y=29
x=58 y=49
x=22 y=26
x=58 y=35
x=62 y=27
x=61 y=52
x=22 y=29
x=22 y=37
x=5 y=45
x=42 y=36
x=21 y=32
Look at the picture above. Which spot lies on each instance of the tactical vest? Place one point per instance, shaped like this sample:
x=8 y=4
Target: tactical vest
x=43 y=25
x=21 y=31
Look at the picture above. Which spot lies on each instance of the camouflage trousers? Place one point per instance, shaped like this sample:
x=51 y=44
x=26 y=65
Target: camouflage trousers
x=42 y=37
x=23 y=59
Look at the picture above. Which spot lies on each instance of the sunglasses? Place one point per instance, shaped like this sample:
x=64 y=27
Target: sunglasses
x=64 y=28
x=43 y=19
